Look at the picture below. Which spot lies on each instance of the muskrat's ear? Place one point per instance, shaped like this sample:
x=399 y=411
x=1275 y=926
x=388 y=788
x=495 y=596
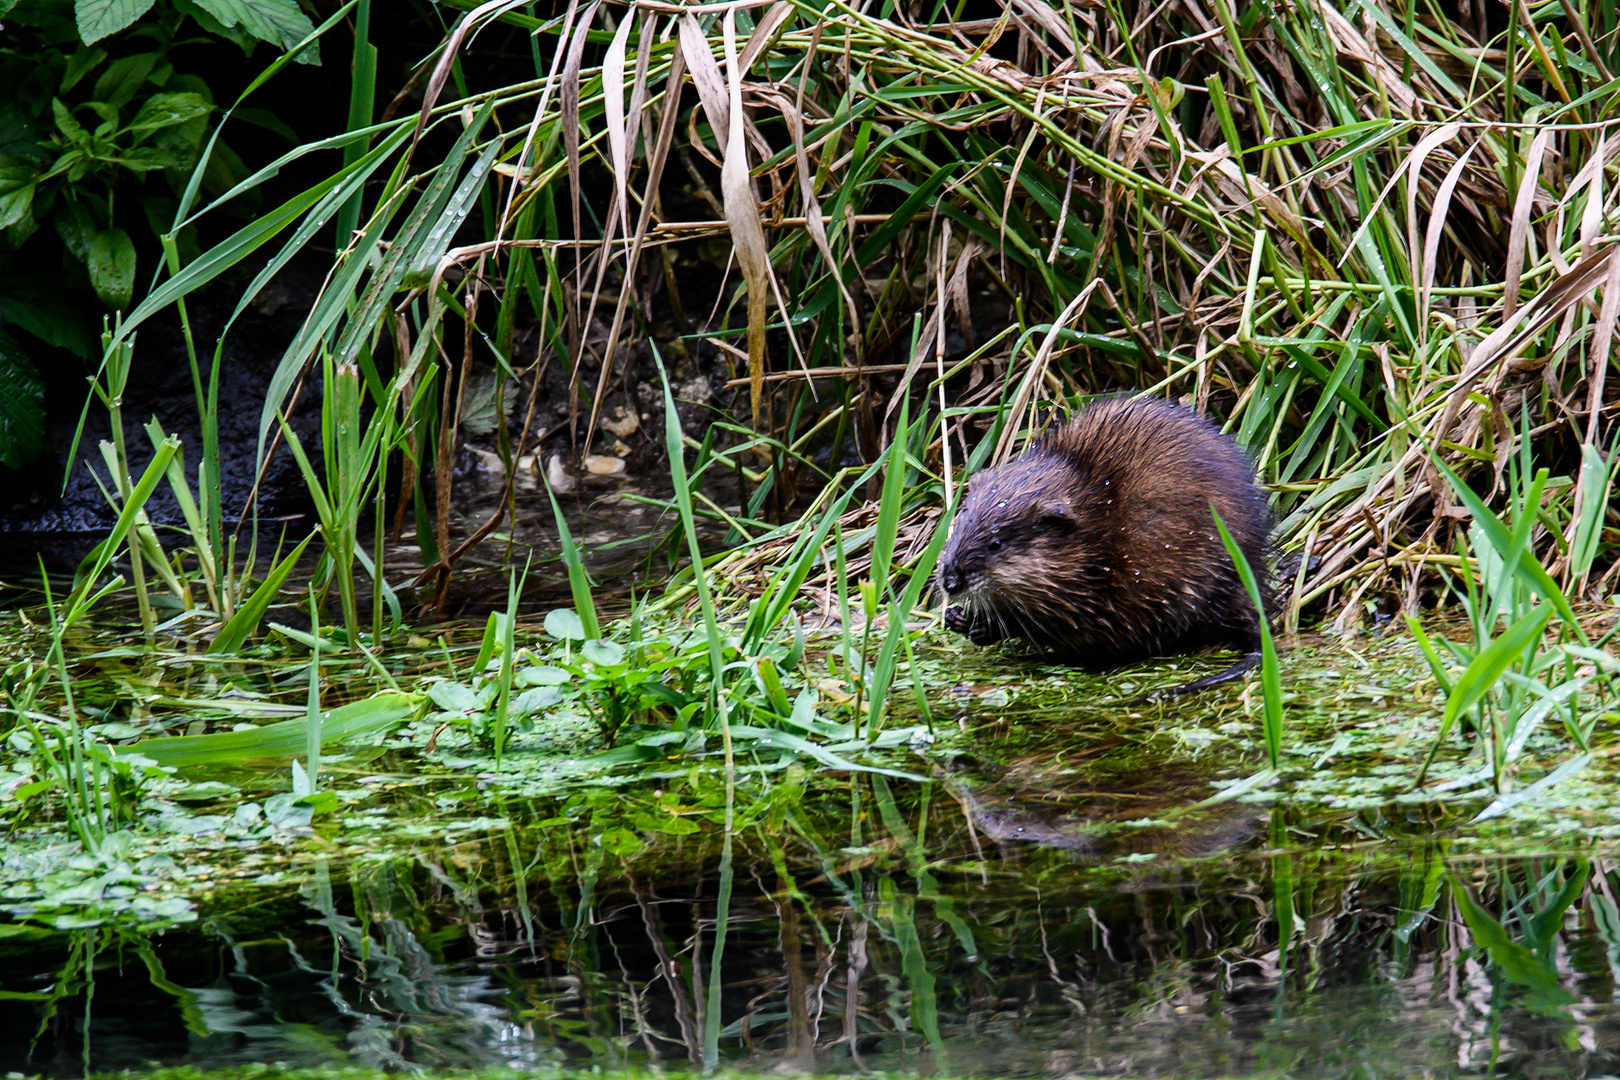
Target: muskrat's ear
x=1057 y=511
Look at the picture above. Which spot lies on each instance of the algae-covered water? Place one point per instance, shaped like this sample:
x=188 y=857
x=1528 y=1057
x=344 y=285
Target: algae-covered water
x=1017 y=876
x=1001 y=961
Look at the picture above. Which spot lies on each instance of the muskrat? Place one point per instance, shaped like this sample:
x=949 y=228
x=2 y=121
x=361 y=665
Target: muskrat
x=1098 y=546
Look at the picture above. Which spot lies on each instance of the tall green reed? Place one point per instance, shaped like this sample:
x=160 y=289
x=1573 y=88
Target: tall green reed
x=1270 y=667
x=1512 y=677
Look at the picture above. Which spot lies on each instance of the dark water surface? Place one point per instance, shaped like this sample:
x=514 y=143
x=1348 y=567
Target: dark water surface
x=870 y=924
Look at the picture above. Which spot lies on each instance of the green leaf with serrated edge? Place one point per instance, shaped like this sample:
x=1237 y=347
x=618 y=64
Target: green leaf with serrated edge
x=99 y=18
x=111 y=264
x=167 y=110
x=22 y=406
x=280 y=22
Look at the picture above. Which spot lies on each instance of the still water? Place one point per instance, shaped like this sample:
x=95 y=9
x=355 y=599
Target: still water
x=867 y=925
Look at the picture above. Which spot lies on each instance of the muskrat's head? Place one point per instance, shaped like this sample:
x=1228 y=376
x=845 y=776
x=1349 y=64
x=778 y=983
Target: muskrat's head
x=1014 y=535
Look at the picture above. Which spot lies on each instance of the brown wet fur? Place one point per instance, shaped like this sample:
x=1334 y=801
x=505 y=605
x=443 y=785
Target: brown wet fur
x=1098 y=545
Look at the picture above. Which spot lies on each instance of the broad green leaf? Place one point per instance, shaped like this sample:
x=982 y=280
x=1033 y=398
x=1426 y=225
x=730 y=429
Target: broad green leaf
x=112 y=267
x=564 y=625
x=167 y=110
x=544 y=675
x=16 y=201
x=98 y=18
x=143 y=159
x=22 y=406
x=20 y=132
x=530 y=701
x=123 y=79
x=285 y=812
x=1518 y=963
x=280 y=22
x=453 y=697
x=283 y=739
x=1486 y=670
x=76 y=228
x=603 y=653
x=668 y=824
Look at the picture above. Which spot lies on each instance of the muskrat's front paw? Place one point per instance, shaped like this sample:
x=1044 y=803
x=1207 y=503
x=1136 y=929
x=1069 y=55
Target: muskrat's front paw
x=983 y=634
x=980 y=633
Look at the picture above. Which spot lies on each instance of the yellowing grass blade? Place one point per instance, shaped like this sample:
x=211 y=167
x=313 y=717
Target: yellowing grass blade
x=1519 y=232
x=742 y=214
x=613 y=106
x=1423 y=270
x=711 y=85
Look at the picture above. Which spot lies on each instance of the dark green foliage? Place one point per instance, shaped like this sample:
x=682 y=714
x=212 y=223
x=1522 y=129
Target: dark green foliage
x=101 y=127
x=22 y=405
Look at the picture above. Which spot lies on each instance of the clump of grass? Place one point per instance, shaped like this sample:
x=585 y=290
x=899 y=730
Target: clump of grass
x=1507 y=683
x=1416 y=251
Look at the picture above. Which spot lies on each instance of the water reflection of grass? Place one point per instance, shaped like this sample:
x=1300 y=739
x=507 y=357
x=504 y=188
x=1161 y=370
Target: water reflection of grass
x=1295 y=949
x=1364 y=714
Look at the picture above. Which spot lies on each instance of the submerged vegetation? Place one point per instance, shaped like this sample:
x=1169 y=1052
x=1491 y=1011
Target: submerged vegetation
x=873 y=249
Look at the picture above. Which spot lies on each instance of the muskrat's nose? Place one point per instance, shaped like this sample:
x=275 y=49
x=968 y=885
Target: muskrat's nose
x=950 y=578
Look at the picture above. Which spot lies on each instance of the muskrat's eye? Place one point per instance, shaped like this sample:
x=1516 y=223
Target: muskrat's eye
x=995 y=543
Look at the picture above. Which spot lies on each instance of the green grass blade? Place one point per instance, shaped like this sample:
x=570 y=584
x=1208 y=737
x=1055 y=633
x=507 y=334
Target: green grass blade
x=282 y=739
x=894 y=489
x=1501 y=538
x=312 y=713
x=96 y=562
x=235 y=632
x=1270 y=670
x=579 y=582
x=1480 y=676
x=1486 y=671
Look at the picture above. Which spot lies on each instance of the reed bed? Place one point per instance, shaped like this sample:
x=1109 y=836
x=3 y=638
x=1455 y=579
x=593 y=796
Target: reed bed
x=1356 y=234
x=1360 y=234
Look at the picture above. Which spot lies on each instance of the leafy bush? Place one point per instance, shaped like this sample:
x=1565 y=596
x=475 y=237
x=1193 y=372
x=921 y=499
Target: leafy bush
x=99 y=137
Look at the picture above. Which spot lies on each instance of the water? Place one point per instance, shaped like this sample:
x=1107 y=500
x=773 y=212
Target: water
x=872 y=926
x=1070 y=887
